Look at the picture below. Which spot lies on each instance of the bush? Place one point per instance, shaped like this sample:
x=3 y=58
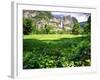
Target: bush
x=60 y=53
x=82 y=53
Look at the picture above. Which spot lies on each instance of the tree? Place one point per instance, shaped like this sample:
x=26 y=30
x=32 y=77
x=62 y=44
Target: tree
x=76 y=28
x=27 y=25
x=87 y=26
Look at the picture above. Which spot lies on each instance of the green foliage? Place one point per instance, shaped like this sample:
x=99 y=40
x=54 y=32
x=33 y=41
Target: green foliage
x=47 y=29
x=27 y=25
x=61 y=52
x=76 y=28
x=34 y=29
x=87 y=26
x=82 y=53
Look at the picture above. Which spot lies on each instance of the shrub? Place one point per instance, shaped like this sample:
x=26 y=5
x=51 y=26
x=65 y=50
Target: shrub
x=60 y=53
x=82 y=54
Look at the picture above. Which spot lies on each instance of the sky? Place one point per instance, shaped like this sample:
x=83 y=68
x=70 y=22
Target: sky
x=81 y=17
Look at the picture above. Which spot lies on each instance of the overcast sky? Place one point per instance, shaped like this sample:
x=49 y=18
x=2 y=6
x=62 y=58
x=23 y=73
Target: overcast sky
x=79 y=16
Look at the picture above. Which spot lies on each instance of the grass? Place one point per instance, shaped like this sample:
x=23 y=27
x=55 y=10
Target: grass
x=56 y=50
x=51 y=36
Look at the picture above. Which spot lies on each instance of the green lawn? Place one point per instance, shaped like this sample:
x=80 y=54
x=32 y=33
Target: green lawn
x=56 y=50
x=51 y=36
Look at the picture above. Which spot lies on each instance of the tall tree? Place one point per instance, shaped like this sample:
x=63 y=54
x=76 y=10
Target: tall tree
x=76 y=28
x=87 y=26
